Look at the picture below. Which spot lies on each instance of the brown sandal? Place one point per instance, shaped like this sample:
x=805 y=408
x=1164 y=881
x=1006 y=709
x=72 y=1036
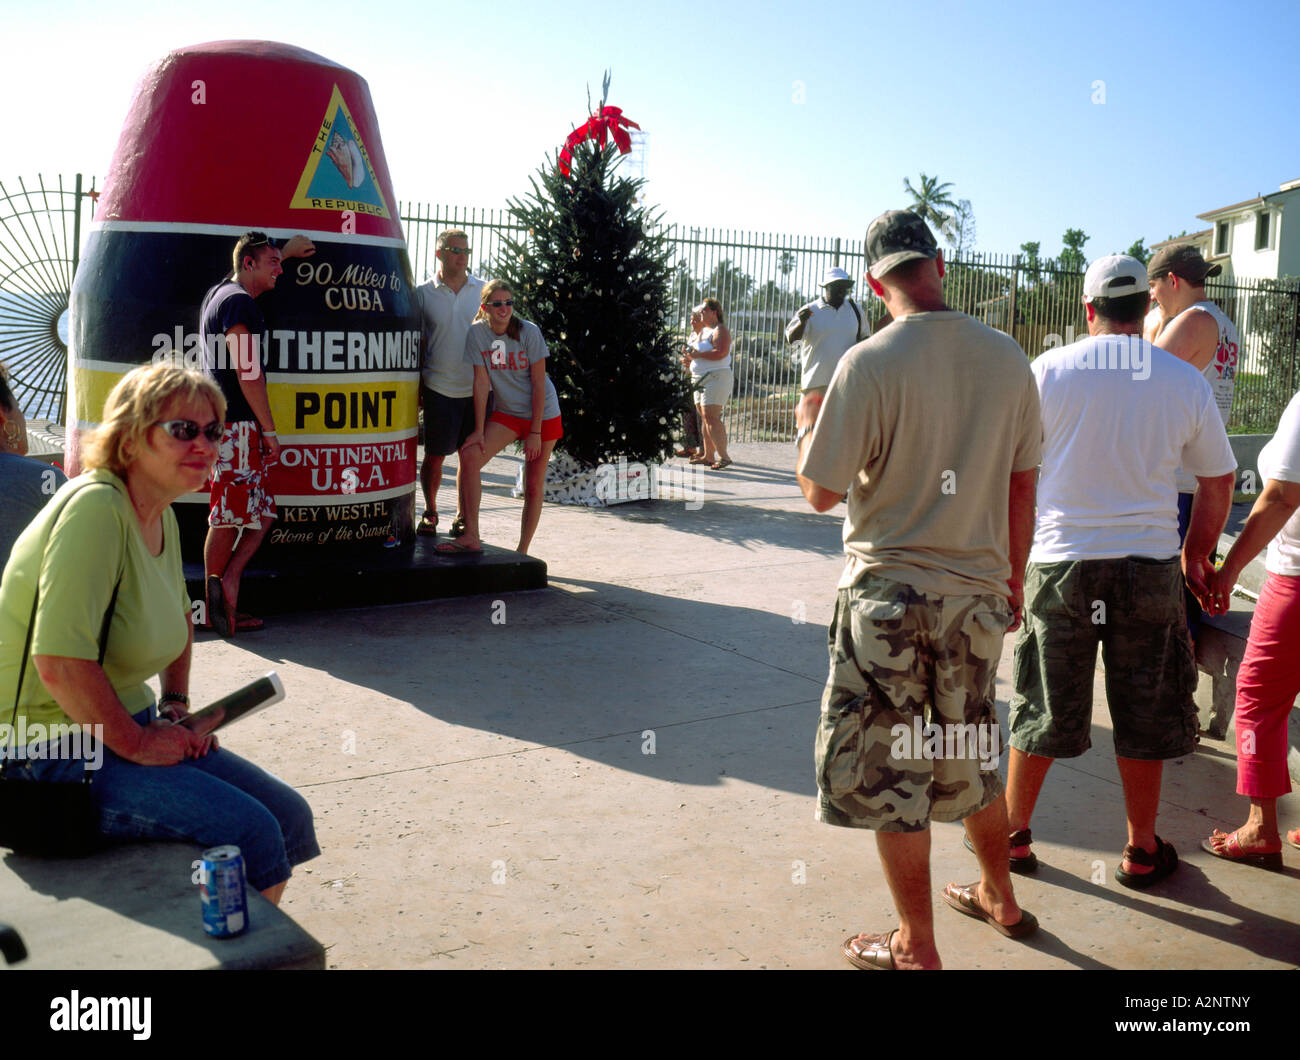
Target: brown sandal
x=873 y=954
x=966 y=900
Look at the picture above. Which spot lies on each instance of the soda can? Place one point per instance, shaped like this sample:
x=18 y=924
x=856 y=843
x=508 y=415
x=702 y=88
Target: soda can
x=225 y=904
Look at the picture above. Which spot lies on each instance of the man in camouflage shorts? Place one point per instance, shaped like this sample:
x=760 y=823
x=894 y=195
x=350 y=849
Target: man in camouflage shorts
x=930 y=429
x=882 y=757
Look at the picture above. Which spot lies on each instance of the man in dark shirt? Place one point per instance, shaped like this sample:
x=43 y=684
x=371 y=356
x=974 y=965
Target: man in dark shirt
x=234 y=337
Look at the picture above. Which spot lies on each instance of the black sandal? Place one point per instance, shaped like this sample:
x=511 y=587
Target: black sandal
x=457 y=528
x=1026 y=865
x=1162 y=863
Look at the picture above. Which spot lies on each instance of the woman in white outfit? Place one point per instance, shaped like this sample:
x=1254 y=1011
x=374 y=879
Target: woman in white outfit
x=710 y=365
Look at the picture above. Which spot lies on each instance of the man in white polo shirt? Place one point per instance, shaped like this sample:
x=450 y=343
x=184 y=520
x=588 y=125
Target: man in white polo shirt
x=827 y=328
x=1119 y=418
x=448 y=303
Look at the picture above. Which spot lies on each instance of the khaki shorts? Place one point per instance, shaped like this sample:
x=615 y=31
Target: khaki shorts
x=714 y=388
x=909 y=731
x=1133 y=608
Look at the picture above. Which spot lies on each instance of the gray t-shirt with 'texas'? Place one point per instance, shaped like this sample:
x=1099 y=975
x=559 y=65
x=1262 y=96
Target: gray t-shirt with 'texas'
x=508 y=362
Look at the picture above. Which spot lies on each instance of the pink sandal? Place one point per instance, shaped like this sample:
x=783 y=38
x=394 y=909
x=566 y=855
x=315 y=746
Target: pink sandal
x=1231 y=850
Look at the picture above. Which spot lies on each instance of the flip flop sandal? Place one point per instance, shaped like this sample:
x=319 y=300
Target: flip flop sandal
x=721 y=464
x=218 y=611
x=1162 y=862
x=1231 y=851
x=244 y=623
x=1024 y=866
x=455 y=548
x=685 y=454
x=457 y=526
x=965 y=900
x=427 y=527
x=874 y=954
x=700 y=460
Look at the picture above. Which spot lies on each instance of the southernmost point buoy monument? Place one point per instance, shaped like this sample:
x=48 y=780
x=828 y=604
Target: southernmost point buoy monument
x=235 y=136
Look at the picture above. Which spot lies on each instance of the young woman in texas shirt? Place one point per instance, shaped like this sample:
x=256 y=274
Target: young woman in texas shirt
x=508 y=355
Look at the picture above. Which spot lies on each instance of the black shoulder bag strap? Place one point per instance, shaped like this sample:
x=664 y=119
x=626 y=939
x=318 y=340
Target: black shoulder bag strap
x=31 y=625
x=854 y=306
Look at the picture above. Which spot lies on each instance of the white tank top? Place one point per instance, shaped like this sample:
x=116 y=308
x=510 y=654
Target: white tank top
x=704 y=343
x=1220 y=373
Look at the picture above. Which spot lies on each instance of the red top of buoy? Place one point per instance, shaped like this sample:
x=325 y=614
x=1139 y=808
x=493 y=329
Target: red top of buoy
x=254 y=134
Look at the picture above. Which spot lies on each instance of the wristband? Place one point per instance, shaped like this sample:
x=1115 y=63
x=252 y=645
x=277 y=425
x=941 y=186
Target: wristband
x=268 y=434
x=176 y=697
x=534 y=432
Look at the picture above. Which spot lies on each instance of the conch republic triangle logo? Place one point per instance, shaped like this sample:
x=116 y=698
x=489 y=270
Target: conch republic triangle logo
x=338 y=174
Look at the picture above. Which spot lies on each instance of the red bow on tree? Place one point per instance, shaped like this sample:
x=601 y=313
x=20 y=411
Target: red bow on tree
x=609 y=122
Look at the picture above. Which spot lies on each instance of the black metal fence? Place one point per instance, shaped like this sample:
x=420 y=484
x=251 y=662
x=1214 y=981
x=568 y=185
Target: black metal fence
x=762 y=279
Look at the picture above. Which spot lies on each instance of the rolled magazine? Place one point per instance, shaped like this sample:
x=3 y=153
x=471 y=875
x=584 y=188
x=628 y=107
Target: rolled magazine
x=238 y=704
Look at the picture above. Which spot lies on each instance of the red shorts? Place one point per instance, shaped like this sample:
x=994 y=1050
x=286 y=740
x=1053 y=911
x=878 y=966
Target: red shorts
x=239 y=496
x=552 y=429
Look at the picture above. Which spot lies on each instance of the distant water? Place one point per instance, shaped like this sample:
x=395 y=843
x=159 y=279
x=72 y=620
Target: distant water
x=20 y=310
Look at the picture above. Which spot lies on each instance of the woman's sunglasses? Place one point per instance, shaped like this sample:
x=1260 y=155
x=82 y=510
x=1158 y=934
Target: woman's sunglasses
x=498 y=305
x=188 y=430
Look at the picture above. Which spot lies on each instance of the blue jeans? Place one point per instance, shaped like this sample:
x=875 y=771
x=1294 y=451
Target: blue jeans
x=218 y=799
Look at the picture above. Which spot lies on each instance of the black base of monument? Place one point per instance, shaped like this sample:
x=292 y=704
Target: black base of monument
x=312 y=581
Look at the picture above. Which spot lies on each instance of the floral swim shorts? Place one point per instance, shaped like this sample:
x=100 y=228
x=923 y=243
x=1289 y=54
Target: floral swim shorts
x=239 y=496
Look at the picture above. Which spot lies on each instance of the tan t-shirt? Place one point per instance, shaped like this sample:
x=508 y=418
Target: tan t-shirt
x=923 y=425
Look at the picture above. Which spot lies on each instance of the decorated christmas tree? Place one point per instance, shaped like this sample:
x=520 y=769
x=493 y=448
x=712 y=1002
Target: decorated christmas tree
x=593 y=274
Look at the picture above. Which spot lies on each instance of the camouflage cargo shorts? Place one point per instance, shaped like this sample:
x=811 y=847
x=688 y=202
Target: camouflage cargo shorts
x=1133 y=608
x=909 y=730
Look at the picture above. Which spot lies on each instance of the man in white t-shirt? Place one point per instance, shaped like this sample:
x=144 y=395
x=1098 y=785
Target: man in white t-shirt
x=930 y=431
x=826 y=327
x=1119 y=418
x=448 y=303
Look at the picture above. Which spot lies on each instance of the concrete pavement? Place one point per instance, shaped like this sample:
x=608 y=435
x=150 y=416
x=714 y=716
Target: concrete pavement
x=616 y=771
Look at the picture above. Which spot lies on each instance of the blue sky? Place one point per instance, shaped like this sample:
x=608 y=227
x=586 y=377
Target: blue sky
x=998 y=98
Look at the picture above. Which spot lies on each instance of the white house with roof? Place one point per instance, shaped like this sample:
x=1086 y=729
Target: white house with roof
x=1254 y=238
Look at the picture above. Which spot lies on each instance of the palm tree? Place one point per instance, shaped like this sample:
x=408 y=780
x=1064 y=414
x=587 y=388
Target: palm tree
x=931 y=201
x=785 y=262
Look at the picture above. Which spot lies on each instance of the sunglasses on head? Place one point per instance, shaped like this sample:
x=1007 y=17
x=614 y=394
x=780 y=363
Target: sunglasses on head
x=188 y=430
x=498 y=305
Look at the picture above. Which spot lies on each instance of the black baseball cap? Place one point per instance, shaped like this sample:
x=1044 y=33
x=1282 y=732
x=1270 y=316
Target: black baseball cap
x=894 y=237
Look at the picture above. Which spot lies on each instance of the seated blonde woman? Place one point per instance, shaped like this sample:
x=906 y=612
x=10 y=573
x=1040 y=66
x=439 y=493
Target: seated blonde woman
x=112 y=611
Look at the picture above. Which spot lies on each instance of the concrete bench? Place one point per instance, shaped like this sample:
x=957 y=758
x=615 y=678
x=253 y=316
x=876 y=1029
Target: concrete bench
x=1220 y=647
x=136 y=906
